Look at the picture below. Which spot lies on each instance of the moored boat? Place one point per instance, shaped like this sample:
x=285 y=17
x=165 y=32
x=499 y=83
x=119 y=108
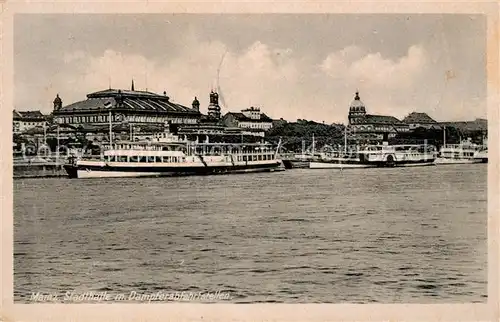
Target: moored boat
x=405 y=155
x=152 y=159
x=380 y=156
x=462 y=153
x=481 y=156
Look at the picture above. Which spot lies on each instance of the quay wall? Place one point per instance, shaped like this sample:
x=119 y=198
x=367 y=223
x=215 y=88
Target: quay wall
x=38 y=171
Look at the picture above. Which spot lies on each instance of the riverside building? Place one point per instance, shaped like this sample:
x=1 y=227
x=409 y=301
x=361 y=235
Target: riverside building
x=368 y=127
x=125 y=106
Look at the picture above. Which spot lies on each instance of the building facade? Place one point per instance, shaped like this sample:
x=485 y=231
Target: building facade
x=367 y=127
x=250 y=118
x=125 y=106
x=25 y=120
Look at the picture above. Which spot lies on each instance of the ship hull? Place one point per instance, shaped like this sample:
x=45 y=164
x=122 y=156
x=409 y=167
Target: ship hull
x=396 y=164
x=368 y=164
x=442 y=161
x=98 y=171
x=339 y=165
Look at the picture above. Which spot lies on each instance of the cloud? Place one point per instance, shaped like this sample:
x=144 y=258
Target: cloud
x=282 y=83
x=258 y=76
x=373 y=70
x=292 y=66
x=390 y=84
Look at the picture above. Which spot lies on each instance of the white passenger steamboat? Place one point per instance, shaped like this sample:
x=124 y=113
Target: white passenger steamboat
x=384 y=155
x=464 y=152
x=403 y=155
x=174 y=157
x=339 y=160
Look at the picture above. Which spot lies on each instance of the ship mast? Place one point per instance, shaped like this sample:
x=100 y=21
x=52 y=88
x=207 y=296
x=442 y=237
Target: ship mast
x=110 y=130
x=345 y=139
x=313 y=146
x=444 y=136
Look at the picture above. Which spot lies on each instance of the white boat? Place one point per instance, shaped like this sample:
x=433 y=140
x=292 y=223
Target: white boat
x=152 y=159
x=384 y=155
x=482 y=155
x=339 y=160
x=404 y=155
x=462 y=153
x=166 y=155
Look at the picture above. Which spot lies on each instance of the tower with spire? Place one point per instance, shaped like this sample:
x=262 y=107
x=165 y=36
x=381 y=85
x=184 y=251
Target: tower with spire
x=57 y=103
x=357 y=110
x=214 y=110
x=132 y=87
x=196 y=104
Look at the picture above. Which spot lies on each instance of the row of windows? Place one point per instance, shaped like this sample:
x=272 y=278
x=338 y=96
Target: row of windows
x=255 y=125
x=87 y=119
x=256 y=157
x=124 y=158
x=457 y=154
x=116 y=118
x=168 y=159
x=17 y=124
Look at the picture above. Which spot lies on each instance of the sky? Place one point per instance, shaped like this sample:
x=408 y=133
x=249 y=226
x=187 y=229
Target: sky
x=292 y=66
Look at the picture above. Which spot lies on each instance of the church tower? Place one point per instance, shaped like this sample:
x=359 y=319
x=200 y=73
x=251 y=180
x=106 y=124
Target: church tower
x=357 y=111
x=57 y=103
x=196 y=104
x=214 y=108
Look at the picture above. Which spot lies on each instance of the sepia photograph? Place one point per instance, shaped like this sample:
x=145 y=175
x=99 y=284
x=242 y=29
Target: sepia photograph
x=246 y=158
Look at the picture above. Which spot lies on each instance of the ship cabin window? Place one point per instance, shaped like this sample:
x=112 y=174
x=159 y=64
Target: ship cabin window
x=142 y=159
x=260 y=157
x=244 y=158
x=122 y=158
x=174 y=159
x=151 y=159
x=158 y=159
x=166 y=159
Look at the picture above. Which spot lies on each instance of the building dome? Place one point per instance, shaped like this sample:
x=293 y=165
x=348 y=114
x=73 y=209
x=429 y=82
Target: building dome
x=357 y=105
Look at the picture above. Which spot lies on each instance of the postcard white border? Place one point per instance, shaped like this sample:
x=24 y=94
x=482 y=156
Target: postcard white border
x=250 y=312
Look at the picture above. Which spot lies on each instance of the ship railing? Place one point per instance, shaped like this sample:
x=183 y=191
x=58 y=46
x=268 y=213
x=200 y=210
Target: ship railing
x=460 y=147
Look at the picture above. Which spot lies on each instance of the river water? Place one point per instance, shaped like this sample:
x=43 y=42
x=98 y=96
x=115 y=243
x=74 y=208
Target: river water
x=401 y=235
